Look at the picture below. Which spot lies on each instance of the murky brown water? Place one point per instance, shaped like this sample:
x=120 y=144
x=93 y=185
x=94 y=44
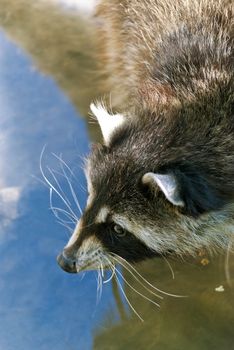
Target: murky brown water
x=60 y=42
x=202 y=320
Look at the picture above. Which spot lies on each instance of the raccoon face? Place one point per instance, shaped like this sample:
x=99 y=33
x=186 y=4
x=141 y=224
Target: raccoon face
x=133 y=211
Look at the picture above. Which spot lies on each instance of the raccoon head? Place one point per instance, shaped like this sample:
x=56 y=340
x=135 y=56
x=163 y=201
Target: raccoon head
x=136 y=207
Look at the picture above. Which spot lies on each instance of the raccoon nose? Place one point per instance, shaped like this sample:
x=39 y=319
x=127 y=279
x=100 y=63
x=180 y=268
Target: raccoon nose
x=67 y=264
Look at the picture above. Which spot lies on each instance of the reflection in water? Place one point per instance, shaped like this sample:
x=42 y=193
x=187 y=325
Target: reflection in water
x=62 y=44
x=42 y=307
x=202 y=320
x=9 y=198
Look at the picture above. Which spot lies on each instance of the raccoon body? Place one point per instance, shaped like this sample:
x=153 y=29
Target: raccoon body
x=163 y=181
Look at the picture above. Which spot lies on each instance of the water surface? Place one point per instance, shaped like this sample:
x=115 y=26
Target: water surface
x=47 y=80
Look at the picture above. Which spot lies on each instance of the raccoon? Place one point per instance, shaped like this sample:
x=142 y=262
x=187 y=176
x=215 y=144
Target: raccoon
x=162 y=182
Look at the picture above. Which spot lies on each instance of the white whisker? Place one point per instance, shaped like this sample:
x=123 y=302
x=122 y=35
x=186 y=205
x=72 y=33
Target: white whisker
x=112 y=275
x=62 y=164
x=102 y=271
x=135 y=290
x=40 y=180
x=147 y=282
x=65 y=213
x=83 y=275
x=170 y=267
x=55 y=211
x=99 y=286
x=227 y=264
x=139 y=281
x=52 y=186
x=52 y=172
x=66 y=226
x=125 y=296
x=112 y=268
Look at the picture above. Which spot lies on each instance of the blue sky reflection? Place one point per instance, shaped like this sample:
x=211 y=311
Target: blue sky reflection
x=41 y=307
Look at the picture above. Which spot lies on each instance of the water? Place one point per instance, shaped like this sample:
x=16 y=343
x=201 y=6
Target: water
x=46 y=81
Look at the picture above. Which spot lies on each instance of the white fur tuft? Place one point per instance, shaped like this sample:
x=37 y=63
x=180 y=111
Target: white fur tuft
x=108 y=122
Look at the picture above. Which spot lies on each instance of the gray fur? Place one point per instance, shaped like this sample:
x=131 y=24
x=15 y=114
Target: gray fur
x=173 y=61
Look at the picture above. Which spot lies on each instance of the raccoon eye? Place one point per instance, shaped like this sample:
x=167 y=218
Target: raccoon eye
x=119 y=230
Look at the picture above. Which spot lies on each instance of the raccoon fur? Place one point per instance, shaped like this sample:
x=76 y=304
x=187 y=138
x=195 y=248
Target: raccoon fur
x=163 y=181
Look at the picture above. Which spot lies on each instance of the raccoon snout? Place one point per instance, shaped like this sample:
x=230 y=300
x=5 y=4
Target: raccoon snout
x=67 y=264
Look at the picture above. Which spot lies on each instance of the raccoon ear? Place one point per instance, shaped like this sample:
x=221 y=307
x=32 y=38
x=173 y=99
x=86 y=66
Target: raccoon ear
x=108 y=122
x=187 y=188
x=168 y=185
